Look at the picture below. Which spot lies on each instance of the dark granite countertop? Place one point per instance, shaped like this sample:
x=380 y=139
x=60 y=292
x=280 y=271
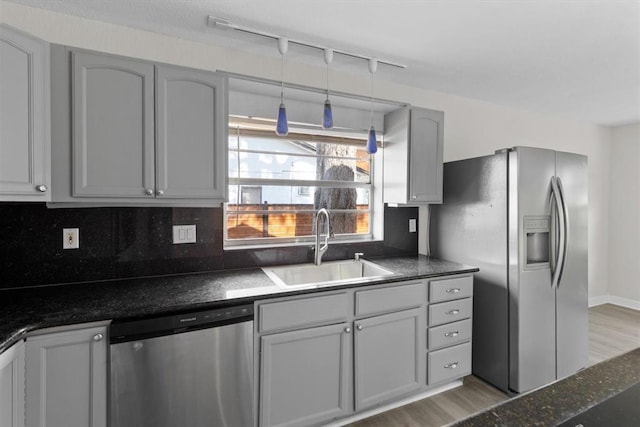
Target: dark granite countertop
x=24 y=310
x=562 y=400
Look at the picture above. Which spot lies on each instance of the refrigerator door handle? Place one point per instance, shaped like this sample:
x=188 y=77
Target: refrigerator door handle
x=558 y=203
x=564 y=228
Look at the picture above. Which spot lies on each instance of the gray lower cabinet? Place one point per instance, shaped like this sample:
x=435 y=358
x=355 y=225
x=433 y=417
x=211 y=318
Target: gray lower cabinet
x=304 y=378
x=66 y=378
x=12 y=386
x=141 y=133
x=24 y=117
x=324 y=357
x=413 y=156
x=388 y=357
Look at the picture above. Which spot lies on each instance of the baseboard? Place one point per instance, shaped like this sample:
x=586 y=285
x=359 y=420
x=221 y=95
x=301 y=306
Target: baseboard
x=394 y=405
x=612 y=299
x=624 y=302
x=599 y=300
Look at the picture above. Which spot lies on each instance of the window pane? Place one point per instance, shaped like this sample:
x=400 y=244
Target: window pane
x=297 y=160
x=291 y=224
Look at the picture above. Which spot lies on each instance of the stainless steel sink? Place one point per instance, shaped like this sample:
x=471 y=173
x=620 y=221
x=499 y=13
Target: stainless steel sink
x=328 y=273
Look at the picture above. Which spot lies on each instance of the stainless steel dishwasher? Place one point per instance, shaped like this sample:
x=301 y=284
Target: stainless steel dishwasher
x=191 y=370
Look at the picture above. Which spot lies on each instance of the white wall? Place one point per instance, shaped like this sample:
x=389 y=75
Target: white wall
x=472 y=127
x=624 y=238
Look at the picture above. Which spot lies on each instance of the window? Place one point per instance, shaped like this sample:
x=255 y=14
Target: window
x=277 y=184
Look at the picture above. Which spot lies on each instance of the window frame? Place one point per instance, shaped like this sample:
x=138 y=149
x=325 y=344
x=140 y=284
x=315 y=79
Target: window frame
x=375 y=209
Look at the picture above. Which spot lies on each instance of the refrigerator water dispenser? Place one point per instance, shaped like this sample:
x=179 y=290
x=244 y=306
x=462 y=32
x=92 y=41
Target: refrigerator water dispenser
x=536 y=248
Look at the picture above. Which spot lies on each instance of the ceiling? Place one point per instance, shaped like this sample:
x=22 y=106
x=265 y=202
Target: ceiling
x=578 y=59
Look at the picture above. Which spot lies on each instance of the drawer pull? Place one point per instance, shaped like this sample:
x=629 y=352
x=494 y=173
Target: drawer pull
x=452 y=312
x=453 y=290
x=452 y=334
x=451 y=365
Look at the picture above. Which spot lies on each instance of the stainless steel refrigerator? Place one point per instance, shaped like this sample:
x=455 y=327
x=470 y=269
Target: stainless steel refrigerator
x=520 y=215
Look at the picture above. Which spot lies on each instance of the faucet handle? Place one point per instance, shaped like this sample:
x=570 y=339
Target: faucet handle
x=357 y=256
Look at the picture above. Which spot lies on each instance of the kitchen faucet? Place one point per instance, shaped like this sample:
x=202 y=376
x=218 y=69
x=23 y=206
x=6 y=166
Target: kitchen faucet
x=319 y=251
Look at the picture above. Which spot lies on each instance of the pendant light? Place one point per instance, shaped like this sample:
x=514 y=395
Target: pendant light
x=282 y=126
x=372 y=146
x=327 y=114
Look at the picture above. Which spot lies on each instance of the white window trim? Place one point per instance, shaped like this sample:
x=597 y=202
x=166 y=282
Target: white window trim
x=376 y=214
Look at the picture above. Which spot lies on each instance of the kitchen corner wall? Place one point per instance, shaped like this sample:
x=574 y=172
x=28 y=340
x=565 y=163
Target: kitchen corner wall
x=472 y=127
x=624 y=239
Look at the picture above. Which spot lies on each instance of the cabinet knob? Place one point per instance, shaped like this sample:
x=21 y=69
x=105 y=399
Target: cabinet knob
x=159 y=193
x=98 y=337
x=359 y=327
x=347 y=330
x=149 y=191
x=41 y=188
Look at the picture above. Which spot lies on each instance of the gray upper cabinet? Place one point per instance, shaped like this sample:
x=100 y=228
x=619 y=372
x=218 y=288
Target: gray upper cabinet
x=413 y=154
x=304 y=378
x=136 y=133
x=66 y=379
x=388 y=356
x=113 y=140
x=189 y=105
x=24 y=117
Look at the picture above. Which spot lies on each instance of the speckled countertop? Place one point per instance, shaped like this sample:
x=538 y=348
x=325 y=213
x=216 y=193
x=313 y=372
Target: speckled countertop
x=560 y=401
x=24 y=310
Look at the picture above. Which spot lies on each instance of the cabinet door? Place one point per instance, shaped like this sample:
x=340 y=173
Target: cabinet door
x=12 y=386
x=191 y=129
x=24 y=122
x=113 y=132
x=304 y=376
x=389 y=356
x=426 y=139
x=66 y=379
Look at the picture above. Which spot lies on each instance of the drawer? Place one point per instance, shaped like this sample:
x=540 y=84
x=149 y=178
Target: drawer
x=448 y=364
x=449 y=289
x=391 y=298
x=449 y=334
x=446 y=312
x=275 y=316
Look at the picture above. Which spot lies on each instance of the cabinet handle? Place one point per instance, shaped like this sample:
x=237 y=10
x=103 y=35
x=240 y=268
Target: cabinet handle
x=149 y=191
x=452 y=334
x=347 y=330
x=159 y=193
x=98 y=337
x=456 y=311
x=41 y=188
x=359 y=327
x=451 y=365
x=453 y=290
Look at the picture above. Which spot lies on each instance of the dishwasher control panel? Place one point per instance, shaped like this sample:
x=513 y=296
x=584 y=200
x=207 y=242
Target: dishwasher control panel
x=184 y=322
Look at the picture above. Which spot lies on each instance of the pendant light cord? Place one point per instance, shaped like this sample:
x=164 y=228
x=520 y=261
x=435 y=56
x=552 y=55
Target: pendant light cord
x=282 y=80
x=327 y=80
x=371 y=102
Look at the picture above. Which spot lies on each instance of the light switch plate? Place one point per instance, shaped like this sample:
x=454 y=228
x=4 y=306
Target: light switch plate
x=412 y=225
x=184 y=234
x=70 y=238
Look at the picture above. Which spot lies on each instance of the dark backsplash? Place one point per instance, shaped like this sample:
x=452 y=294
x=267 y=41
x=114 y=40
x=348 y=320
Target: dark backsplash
x=120 y=243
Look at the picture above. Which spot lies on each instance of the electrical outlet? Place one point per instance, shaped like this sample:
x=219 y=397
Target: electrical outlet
x=412 y=225
x=70 y=238
x=184 y=234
